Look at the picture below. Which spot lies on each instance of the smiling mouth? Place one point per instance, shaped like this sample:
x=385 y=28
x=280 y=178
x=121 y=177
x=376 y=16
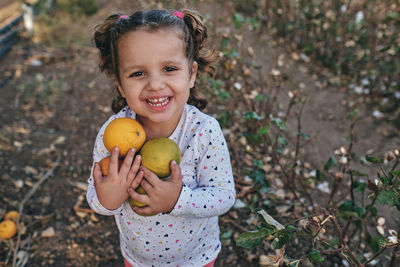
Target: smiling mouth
x=158 y=102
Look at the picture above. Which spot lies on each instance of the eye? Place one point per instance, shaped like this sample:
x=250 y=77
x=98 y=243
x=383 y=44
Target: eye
x=137 y=74
x=168 y=69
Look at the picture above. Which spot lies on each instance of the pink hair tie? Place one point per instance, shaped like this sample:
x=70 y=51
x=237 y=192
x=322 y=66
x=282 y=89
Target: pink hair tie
x=123 y=17
x=178 y=14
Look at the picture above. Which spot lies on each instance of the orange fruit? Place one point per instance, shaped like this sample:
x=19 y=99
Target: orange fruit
x=125 y=133
x=105 y=162
x=8 y=229
x=157 y=155
x=12 y=216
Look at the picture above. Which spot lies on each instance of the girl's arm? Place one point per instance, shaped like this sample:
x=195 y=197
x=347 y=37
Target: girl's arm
x=215 y=193
x=106 y=194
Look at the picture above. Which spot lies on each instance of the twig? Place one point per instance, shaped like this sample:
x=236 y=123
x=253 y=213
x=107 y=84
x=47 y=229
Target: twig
x=394 y=256
x=395 y=164
x=26 y=198
x=344 y=244
x=376 y=255
x=243 y=229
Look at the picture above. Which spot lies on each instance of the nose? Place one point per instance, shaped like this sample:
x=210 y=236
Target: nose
x=155 y=82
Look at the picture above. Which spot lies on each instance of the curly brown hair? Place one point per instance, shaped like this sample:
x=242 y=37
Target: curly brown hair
x=194 y=33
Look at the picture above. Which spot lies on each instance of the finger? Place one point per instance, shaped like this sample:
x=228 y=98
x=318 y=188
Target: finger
x=134 y=169
x=146 y=186
x=113 y=165
x=137 y=180
x=142 y=198
x=146 y=210
x=97 y=173
x=175 y=172
x=127 y=163
x=150 y=176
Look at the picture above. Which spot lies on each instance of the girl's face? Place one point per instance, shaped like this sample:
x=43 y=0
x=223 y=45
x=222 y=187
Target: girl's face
x=155 y=76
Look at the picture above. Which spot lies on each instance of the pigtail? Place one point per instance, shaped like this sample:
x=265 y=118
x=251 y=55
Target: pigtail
x=198 y=52
x=104 y=38
x=198 y=32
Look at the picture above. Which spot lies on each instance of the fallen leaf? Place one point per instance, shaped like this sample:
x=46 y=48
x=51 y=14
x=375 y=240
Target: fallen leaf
x=49 y=232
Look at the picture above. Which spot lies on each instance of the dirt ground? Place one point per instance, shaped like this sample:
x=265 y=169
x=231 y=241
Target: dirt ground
x=49 y=116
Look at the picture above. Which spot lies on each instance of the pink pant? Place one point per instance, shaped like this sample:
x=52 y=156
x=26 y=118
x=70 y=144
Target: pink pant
x=211 y=264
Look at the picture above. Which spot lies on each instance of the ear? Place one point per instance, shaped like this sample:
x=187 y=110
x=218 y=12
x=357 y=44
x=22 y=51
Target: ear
x=121 y=91
x=193 y=74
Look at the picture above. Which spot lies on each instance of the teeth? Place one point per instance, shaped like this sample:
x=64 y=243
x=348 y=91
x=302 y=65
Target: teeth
x=158 y=102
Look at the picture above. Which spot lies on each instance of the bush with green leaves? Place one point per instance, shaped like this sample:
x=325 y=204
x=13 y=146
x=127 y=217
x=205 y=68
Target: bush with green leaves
x=345 y=225
x=357 y=42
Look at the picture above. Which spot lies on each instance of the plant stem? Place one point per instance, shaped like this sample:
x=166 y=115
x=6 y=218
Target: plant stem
x=343 y=242
x=394 y=256
x=376 y=255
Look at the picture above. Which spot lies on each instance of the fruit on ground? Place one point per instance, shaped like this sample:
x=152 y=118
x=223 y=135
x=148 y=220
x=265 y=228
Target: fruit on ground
x=132 y=202
x=12 y=216
x=8 y=229
x=125 y=133
x=157 y=155
x=105 y=162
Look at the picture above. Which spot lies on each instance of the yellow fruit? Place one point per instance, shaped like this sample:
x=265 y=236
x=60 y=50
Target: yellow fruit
x=125 y=133
x=8 y=229
x=12 y=216
x=132 y=202
x=105 y=162
x=157 y=155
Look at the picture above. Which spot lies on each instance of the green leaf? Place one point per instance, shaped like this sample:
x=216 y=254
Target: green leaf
x=396 y=173
x=224 y=42
x=331 y=162
x=373 y=159
x=238 y=20
x=387 y=197
x=357 y=173
x=260 y=97
x=263 y=130
x=353 y=114
x=254 y=238
x=385 y=179
x=251 y=115
x=258 y=175
x=226 y=235
x=376 y=242
x=223 y=95
x=315 y=256
x=282 y=238
x=320 y=175
x=269 y=221
x=348 y=209
x=359 y=186
x=278 y=122
x=372 y=210
x=281 y=140
x=258 y=163
x=391 y=16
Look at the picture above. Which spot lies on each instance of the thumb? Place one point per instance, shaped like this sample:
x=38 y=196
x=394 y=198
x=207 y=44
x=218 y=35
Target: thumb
x=175 y=171
x=97 y=173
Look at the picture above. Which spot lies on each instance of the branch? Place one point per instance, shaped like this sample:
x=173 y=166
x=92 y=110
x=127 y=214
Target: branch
x=343 y=242
x=26 y=198
x=376 y=255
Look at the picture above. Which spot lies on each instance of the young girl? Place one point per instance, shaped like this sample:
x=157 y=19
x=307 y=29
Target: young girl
x=154 y=57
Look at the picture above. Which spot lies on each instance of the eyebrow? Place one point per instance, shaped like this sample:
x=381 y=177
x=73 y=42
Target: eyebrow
x=166 y=62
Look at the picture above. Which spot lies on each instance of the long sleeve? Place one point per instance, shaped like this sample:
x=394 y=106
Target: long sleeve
x=213 y=193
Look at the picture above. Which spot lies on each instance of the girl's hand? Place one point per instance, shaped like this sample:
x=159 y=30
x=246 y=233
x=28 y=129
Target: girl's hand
x=161 y=196
x=112 y=190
